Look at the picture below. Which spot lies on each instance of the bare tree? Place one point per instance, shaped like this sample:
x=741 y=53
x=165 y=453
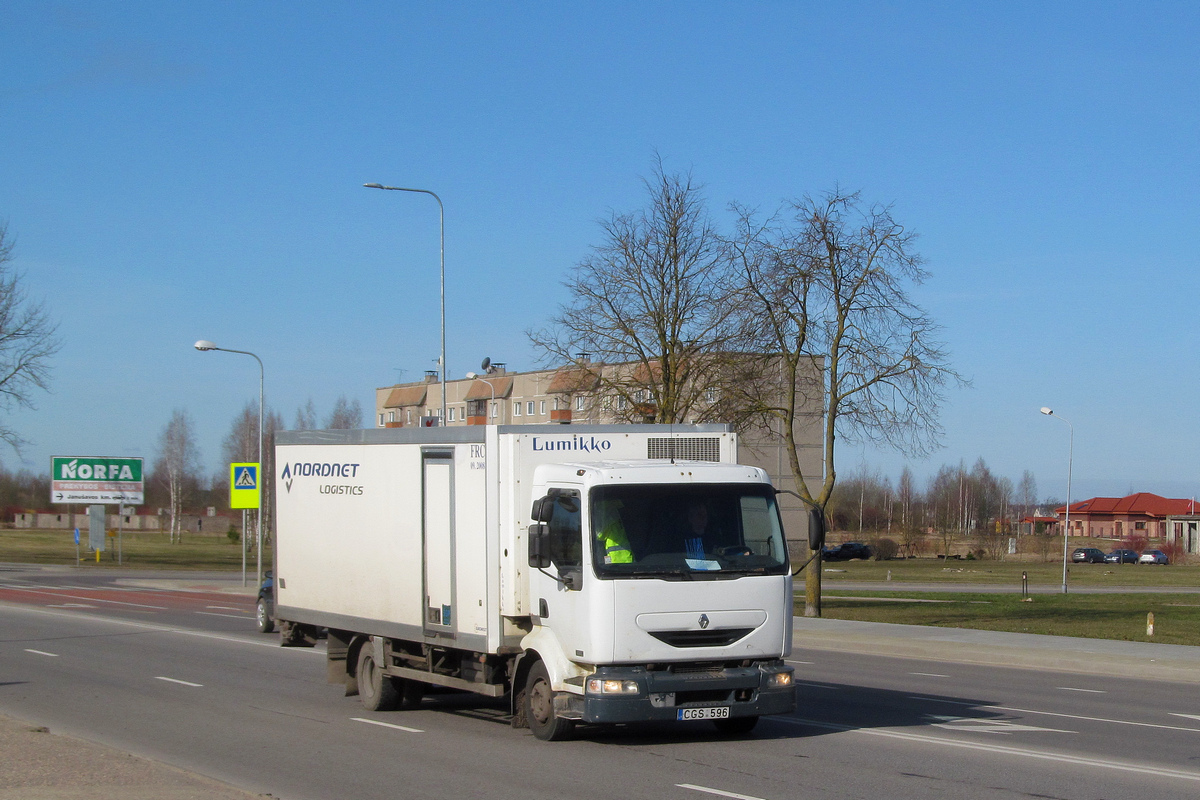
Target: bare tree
x=27 y=342
x=828 y=287
x=346 y=415
x=306 y=417
x=178 y=466
x=1027 y=495
x=655 y=293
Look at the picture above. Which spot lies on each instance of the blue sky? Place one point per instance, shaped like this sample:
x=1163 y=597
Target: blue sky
x=178 y=171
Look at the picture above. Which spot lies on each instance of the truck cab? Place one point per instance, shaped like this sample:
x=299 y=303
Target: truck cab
x=657 y=591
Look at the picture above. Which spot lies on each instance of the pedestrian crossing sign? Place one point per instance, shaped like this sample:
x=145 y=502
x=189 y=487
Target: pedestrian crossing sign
x=244 y=489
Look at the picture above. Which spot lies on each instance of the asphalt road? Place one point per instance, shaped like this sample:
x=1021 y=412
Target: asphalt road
x=180 y=677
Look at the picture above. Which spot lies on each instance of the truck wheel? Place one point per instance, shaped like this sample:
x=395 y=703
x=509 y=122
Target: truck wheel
x=262 y=618
x=735 y=726
x=539 y=707
x=375 y=690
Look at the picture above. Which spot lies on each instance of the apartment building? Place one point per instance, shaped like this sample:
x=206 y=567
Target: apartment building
x=582 y=394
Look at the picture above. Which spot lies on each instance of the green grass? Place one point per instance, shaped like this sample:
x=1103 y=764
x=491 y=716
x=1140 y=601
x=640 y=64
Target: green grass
x=1096 y=616
x=932 y=570
x=139 y=550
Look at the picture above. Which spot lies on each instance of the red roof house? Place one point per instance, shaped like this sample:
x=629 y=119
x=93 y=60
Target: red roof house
x=1141 y=514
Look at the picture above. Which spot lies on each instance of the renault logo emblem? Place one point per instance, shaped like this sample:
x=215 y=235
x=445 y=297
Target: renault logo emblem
x=703 y=621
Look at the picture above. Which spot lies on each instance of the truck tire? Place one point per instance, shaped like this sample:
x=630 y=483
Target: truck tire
x=375 y=690
x=539 y=707
x=735 y=726
x=262 y=618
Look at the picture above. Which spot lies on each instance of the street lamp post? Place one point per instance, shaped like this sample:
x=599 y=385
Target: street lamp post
x=442 y=223
x=204 y=345
x=1070 y=464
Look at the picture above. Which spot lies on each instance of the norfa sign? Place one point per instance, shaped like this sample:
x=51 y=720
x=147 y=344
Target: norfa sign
x=87 y=479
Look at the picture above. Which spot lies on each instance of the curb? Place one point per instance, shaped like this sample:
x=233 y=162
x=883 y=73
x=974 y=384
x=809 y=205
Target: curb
x=1146 y=661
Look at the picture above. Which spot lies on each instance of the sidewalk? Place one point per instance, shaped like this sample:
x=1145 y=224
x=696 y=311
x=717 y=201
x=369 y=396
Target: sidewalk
x=40 y=765
x=1166 y=662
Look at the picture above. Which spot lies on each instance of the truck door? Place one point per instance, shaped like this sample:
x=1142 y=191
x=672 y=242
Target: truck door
x=558 y=594
x=437 y=539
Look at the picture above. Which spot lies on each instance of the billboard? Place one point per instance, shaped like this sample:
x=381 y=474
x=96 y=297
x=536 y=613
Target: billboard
x=96 y=479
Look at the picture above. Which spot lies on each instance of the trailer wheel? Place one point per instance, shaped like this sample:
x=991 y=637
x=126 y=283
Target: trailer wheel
x=735 y=726
x=262 y=617
x=539 y=707
x=375 y=690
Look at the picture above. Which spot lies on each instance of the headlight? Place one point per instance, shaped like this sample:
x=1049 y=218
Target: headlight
x=779 y=680
x=610 y=686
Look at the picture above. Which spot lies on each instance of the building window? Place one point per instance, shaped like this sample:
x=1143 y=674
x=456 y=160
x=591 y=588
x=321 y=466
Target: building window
x=381 y=420
x=710 y=394
x=391 y=416
x=1139 y=526
x=517 y=409
x=529 y=408
x=639 y=396
x=621 y=403
x=495 y=409
x=579 y=403
x=452 y=414
x=542 y=409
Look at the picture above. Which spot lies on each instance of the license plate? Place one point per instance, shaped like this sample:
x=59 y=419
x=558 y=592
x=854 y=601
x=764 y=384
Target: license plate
x=717 y=712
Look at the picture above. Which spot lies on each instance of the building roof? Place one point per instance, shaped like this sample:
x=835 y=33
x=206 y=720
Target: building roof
x=1140 y=504
x=571 y=380
x=485 y=389
x=403 y=396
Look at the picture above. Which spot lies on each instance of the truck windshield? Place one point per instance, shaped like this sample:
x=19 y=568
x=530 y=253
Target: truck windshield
x=688 y=532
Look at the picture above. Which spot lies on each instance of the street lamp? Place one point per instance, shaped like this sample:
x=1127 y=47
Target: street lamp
x=442 y=221
x=204 y=345
x=1070 y=463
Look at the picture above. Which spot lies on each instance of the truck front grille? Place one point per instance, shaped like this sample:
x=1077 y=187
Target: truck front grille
x=716 y=638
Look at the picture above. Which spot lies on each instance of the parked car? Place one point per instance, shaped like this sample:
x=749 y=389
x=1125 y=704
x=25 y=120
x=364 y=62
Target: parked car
x=1088 y=555
x=264 y=612
x=1152 y=557
x=1121 y=557
x=846 y=551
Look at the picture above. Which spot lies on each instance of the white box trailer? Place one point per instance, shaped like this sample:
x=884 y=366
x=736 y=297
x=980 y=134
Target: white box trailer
x=592 y=573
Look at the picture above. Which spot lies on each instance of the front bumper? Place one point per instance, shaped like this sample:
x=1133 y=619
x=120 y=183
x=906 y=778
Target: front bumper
x=662 y=693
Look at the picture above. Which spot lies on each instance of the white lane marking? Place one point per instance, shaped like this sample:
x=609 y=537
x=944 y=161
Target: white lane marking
x=1161 y=772
x=717 y=792
x=386 y=724
x=1073 y=689
x=790 y=661
x=812 y=685
x=70 y=605
x=982 y=725
x=227 y=616
x=41 y=652
x=929 y=674
x=1185 y=716
x=165 y=629
x=222 y=608
x=1059 y=714
x=176 y=680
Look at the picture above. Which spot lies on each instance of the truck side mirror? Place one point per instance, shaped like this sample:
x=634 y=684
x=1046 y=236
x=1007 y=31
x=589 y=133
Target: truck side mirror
x=816 y=529
x=543 y=508
x=539 y=546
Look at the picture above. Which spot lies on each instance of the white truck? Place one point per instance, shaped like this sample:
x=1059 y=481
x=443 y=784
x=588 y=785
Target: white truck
x=596 y=574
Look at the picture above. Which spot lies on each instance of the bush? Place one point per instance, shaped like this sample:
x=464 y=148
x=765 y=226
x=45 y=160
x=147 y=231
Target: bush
x=885 y=549
x=234 y=536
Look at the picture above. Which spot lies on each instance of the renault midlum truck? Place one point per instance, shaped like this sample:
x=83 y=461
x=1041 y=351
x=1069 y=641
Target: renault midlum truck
x=595 y=574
